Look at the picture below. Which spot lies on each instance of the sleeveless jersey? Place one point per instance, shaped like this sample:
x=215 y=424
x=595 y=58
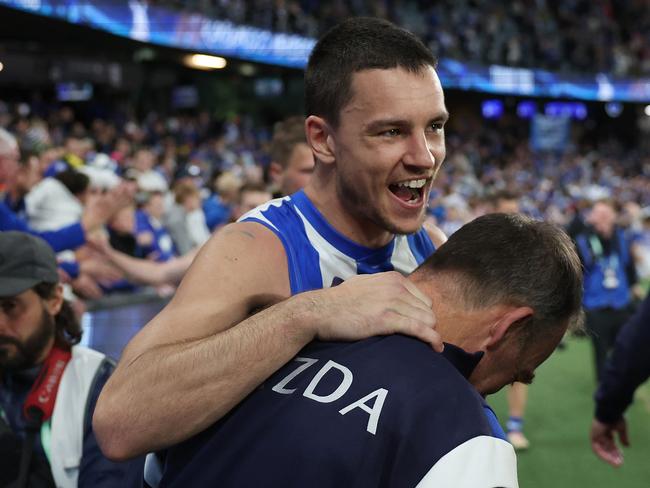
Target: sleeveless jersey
x=318 y=256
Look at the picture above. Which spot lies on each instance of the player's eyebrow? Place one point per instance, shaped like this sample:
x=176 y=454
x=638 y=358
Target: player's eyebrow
x=441 y=117
x=378 y=125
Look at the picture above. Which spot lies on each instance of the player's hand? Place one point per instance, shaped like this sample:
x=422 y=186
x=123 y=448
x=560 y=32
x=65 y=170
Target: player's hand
x=603 y=441
x=371 y=305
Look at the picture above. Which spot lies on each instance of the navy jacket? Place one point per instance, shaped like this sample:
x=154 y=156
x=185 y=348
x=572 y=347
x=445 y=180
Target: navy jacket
x=386 y=411
x=627 y=368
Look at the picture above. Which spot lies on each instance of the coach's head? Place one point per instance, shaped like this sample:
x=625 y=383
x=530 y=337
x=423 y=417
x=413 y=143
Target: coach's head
x=506 y=285
x=33 y=314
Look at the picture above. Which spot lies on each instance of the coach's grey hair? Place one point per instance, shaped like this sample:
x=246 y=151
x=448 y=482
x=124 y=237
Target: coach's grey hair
x=512 y=259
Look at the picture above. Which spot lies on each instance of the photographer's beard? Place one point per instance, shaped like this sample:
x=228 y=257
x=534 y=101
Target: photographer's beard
x=26 y=354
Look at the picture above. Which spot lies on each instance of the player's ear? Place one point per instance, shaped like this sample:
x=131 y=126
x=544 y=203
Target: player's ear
x=510 y=317
x=319 y=139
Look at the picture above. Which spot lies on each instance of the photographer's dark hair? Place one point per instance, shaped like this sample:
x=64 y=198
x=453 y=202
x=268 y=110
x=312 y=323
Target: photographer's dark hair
x=357 y=44
x=514 y=260
x=67 y=330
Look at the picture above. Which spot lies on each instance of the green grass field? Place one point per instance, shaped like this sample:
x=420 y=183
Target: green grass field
x=559 y=413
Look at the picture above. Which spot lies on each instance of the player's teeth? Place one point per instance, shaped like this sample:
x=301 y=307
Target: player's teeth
x=413 y=183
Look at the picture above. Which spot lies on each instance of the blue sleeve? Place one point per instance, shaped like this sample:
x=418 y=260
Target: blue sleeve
x=69 y=237
x=627 y=368
x=71 y=268
x=96 y=471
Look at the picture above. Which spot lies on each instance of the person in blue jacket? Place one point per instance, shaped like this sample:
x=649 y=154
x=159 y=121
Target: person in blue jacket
x=390 y=411
x=626 y=369
x=610 y=276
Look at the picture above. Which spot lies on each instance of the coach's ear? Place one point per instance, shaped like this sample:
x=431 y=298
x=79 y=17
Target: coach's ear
x=506 y=319
x=319 y=138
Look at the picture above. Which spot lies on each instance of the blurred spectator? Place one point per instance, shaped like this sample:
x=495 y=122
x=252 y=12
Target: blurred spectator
x=185 y=219
x=151 y=234
x=609 y=278
x=580 y=35
x=69 y=237
x=58 y=200
x=76 y=150
x=27 y=176
x=218 y=207
x=292 y=161
x=251 y=195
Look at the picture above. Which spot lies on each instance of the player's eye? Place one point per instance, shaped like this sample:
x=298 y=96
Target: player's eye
x=394 y=132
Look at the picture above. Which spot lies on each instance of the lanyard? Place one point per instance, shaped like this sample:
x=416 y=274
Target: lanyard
x=39 y=404
x=596 y=246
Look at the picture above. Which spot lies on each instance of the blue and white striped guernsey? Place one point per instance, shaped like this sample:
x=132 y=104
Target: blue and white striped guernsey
x=319 y=256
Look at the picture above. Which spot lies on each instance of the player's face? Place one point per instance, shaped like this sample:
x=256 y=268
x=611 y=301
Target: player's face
x=26 y=330
x=299 y=169
x=389 y=146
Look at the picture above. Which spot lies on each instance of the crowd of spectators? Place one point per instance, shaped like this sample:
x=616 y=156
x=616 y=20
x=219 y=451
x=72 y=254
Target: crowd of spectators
x=190 y=175
x=567 y=36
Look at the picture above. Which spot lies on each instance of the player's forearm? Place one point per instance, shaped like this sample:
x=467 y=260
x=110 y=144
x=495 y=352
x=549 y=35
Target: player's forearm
x=174 y=391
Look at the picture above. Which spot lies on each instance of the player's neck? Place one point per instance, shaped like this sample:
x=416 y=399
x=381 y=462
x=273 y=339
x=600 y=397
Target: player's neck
x=364 y=232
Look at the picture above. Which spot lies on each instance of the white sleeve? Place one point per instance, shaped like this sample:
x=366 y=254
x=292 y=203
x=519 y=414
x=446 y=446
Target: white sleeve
x=481 y=462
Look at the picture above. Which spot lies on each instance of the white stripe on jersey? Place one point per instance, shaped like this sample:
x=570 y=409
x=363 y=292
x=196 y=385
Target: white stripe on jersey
x=256 y=213
x=332 y=262
x=481 y=462
x=403 y=259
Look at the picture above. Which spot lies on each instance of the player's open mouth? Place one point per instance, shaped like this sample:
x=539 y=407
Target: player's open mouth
x=410 y=192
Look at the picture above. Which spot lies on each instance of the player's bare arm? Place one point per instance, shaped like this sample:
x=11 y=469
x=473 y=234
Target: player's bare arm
x=188 y=368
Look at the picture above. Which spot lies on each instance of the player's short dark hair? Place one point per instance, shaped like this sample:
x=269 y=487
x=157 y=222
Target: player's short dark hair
x=354 y=45
x=286 y=135
x=515 y=260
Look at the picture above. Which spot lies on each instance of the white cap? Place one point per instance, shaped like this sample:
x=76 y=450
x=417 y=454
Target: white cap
x=152 y=181
x=100 y=177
